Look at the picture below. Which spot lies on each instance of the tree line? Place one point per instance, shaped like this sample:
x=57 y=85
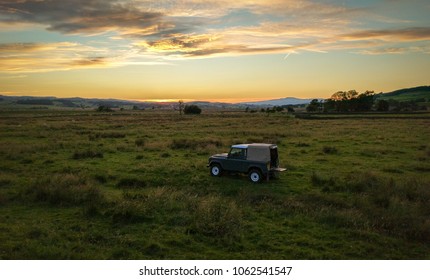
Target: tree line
x=352 y=101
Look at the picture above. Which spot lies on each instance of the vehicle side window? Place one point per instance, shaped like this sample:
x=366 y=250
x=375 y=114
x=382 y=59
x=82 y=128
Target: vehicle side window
x=237 y=153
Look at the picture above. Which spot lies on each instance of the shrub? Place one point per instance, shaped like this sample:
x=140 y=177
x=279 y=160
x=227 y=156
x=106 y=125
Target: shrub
x=192 y=110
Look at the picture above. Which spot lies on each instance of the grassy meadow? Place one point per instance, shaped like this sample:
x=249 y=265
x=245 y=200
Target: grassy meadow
x=134 y=185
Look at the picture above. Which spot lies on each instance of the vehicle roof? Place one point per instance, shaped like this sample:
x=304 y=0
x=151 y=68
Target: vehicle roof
x=256 y=145
x=240 y=146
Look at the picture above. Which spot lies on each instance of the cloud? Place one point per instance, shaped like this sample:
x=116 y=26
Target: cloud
x=45 y=57
x=155 y=19
x=90 y=61
x=396 y=35
x=204 y=45
x=240 y=49
x=179 y=43
x=78 y=16
x=381 y=41
x=61 y=56
x=156 y=32
x=396 y=50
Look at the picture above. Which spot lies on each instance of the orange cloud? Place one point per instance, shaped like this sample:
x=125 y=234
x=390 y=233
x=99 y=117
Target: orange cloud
x=31 y=57
x=180 y=43
x=397 y=35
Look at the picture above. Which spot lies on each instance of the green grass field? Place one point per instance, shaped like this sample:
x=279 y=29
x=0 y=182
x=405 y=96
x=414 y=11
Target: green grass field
x=134 y=185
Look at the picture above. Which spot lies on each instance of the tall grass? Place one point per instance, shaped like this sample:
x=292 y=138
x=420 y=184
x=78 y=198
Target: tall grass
x=3 y=199
x=140 y=142
x=128 y=211
x=64 y=190
x=101 y=135
x=398 y=207
x=217 y=217
x=137 y=206
x=87 y=154
x=330 y=150
x=131 y=183
x=194 y=143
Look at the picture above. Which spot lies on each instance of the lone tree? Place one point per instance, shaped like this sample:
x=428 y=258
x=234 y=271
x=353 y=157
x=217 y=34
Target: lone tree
x=192 y=110
x=180 y=106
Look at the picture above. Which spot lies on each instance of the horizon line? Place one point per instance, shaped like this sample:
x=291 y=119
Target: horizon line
x=162 y=100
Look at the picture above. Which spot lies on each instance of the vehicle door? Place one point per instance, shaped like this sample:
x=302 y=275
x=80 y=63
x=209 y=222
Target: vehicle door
x=274 y=159
x=236 y=160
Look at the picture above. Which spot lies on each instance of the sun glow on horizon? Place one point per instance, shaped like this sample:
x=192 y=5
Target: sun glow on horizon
x=162 y=100
x=212 y=100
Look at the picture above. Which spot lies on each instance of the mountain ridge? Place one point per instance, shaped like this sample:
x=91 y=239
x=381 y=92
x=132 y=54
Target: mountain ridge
x=280 y=102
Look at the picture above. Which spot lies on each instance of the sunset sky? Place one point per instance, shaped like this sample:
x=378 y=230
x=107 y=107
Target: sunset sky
x=211 y=50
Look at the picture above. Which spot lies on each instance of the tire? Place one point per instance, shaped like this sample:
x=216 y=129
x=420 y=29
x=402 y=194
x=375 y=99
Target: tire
x=216 y=170
x=255 y=176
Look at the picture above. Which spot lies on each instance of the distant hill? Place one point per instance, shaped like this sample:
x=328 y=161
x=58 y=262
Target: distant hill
x=279 y=102
x=206 y=104
x=77 y=102
x=74 y=102
x=421 y=93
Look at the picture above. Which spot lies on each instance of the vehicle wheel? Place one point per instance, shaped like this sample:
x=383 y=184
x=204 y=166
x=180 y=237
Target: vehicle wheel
x=216 y=170
x=255 y=176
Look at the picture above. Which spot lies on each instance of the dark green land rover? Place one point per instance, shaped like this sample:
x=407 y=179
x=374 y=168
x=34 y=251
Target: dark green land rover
x=257 y=160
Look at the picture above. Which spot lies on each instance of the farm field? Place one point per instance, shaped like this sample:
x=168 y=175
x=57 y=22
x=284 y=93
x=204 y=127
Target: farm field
x=134 y=185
